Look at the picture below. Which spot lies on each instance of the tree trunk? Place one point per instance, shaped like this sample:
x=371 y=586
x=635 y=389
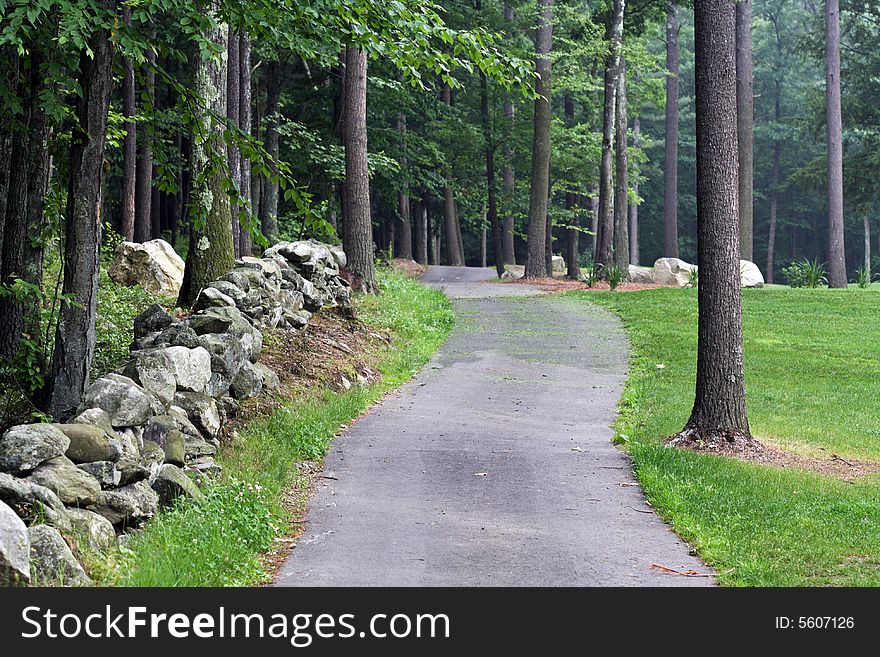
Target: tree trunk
x=491 y=184
x=605 y=240
x=594 y=221
x=621 y=180
x=454 y=254
x=245 y=120
x=211 y=247
x=536 y=263
x=75 y=333
x=143 y=223
x=670 y=163
x=509 y=174
x=774 y=184
x=358 y=226
x=129 y=148
x=233 y=109
x=572 y=257
x=269 y=203
x=405 y=239
x=745 y=120
x=836 y=255
x=867 y=228
x=719 y=413
x=634 y=256
x=421 y=232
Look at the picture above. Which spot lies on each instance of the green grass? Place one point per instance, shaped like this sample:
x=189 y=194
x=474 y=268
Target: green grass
x=813 y=378
x=219 y=541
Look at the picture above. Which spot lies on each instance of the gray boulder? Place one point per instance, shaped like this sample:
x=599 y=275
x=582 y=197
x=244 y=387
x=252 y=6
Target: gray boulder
x=106 y=472
x=211 y=297
x=268 y=377
x=154 y=265
x=750 y=275
x=52 y=562
x=89 y=443
x=24 y=447
x=129 y=505
x=163 y=431
x=96 y=529
x=238 y=279
x=248 y=383
x=33 y=501
x=15 y=548
x=673 y=272
x=299 y=319
x=201 y=411
x=171 y=483
x=339 y=256
x=73 y=486
x=126 y=403
x=150 y=368
x=153 y=320
x=231 y=290
x=97 y=417
x=641 y=275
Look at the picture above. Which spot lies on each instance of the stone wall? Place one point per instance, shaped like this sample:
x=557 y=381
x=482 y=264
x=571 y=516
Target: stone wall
x=147 y=434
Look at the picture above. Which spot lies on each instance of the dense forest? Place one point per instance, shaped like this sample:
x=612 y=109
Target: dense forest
x=468 y=134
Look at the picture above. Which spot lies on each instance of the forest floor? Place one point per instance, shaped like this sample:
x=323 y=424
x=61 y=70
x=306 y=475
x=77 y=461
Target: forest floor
x=495 y=466
x=805 y=511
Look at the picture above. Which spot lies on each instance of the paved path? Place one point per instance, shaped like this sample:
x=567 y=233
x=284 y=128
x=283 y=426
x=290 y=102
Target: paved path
x=494 y=467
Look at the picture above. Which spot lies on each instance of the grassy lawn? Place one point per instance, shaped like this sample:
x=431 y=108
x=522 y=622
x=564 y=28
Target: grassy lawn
x=220 y=541
x=813 y=381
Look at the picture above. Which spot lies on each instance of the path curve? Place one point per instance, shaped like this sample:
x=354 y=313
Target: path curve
x=494 y=467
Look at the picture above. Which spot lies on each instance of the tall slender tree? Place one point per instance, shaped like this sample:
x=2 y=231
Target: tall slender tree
x=634 y=256
x=775 y=175
x=536 y=264
x=509 y=174
x=233 y=113
x=605 y=233
x=670 y=162
x=357 y=234
x=405 y=249
x=454 y=250
x=719 y=414
x=491 y=183
x=245 y=124
x=745 y=121
x=834 y=129
x=129 y=148
x=211 y=248
x=621 y=179
x=75 y=335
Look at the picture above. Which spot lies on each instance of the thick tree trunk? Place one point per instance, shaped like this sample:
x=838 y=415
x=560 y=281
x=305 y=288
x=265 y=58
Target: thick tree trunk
x=405 y=251
x=491 y=183
x=143 y=223
x=211 y=248
x=621 y=179
x=357 y=235
x=129 y=147
x=634 y=255
x=245 y=120
x=745 y=120
x=836 y=254
x=536 y=262
x=75 y=334
x=670 y=163
x=719 y=413
x=233 y=109
x=454 y=253
x=24 y=220
x=605 y=240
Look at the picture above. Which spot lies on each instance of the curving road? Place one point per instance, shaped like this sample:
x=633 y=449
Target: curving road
x=494 y=467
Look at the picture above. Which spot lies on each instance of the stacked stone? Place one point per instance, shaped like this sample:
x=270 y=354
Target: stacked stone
x=146 y=435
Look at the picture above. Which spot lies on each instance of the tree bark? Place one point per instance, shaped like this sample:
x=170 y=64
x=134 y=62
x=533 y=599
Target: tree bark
x=745 y=121
x=621 y=180
x=491 y=183
x=129 y=148
x=269 y=202
x=405 y=239
x=866 y=223
x=670 y=163
x=211 y=248
x=509 y=174
x=233 y=109
x=454 y=252
x=719 y=413
x=358 y=226
x=572 y=255
x=536 y=263
x=634 y=256
x=75 y=333
x=245 y=121
x=143 y=226
x=421 y=231
x=605 y=240
x=836 y=255
x=774 y=186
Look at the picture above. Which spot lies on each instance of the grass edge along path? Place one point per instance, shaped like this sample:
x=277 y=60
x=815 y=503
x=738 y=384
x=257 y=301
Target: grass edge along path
x=757 y=525
x=221 y=540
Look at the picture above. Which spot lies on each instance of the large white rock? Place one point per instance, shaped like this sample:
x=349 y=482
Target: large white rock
x=640 y=275
x=750 y=275
x=673 y=272
x=559 y=266
x=154 y=265
x=15 y=548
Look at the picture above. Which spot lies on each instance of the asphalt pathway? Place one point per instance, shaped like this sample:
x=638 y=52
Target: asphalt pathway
x=494 y=467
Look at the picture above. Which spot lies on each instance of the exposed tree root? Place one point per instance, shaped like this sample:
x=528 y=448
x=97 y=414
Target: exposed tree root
x=737 y=443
